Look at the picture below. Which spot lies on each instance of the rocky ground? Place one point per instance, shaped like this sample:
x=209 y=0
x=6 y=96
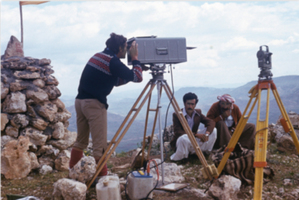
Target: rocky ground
x=284 y=185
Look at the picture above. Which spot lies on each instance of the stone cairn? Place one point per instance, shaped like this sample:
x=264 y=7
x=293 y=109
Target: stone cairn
x=34 y=120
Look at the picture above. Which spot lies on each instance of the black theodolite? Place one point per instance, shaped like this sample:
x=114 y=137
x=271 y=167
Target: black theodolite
x=264 y=63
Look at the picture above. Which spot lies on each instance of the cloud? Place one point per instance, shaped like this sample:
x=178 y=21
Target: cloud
x=226 y=35
x=238 y=43
x=293 y=39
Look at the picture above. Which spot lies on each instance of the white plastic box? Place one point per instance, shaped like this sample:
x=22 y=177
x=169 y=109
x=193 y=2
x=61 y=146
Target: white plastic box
x=139 y=187
x=108 y=188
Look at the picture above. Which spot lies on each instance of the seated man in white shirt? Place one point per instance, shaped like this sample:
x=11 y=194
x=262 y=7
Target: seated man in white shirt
x=205 y=138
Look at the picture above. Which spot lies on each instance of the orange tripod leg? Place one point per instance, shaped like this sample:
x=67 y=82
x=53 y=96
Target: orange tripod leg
x=286 y=122
x=260 y=153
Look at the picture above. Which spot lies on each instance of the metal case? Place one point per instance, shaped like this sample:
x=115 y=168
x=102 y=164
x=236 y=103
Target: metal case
x=153 y=50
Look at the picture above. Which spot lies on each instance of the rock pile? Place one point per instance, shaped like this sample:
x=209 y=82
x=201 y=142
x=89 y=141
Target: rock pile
x=30 y=108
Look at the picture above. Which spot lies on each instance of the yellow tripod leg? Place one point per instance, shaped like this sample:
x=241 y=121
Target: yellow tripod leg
x=261 y=139
x=286 y=122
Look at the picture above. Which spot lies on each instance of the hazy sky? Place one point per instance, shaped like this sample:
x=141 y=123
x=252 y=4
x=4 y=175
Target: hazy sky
x=227 y=36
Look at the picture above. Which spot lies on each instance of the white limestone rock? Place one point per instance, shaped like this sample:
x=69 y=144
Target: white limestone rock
x=39 y=123
x=19 y=121
x=36 y=137
x=4 y=120
x=14 y=103
x=67 y=141
x=46 y=110
x=39 y=83
x=69 y=189
x=172 y=172
x=45 y=169
x=15 y=160
x=58 y=132
x=46 y=160
x=225 y=188
x=26 y=74
x=62 y=161
x=84 y=170
x=38 y=95
x=34 y=161
x=52 y=91
x=12 y=131
x=5 y=139
x=4 y=91
x=48 y=150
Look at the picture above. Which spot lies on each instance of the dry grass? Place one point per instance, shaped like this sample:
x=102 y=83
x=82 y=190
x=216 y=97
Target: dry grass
x=33 y=185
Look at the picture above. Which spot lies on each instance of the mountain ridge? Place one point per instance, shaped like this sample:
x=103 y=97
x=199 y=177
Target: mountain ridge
x=287 y=87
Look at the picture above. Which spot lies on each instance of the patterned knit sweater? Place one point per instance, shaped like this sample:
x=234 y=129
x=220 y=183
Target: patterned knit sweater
x=102 y=72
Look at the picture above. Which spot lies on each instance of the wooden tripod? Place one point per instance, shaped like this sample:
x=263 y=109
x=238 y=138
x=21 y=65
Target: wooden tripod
x=161 y=83
x=261 y=137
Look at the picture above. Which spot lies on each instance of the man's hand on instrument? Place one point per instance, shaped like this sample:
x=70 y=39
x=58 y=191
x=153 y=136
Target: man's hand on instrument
x=133 y=51
x=144 y=68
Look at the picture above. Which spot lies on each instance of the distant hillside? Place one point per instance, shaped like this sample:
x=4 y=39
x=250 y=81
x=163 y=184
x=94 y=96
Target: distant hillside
x=287 y=87
x=120 y=105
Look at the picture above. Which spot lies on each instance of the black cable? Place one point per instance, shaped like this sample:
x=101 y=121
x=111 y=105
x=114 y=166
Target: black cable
x=168 y=108
x=171 y=97
x=211 y=182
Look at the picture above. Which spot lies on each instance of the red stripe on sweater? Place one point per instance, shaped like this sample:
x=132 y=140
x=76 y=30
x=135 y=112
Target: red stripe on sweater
x=103 y=56
x=100 y=64
x=139 y=75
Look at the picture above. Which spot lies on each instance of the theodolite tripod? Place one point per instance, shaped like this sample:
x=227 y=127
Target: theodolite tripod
x=265 y=83
x=159 y=81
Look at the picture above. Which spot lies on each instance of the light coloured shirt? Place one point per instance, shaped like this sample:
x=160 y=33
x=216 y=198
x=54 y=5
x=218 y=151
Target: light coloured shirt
x=189 y=119
x=229 y=121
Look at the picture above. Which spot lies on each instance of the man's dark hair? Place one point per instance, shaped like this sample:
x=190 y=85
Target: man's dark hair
x=115 y=41
x=190 y=96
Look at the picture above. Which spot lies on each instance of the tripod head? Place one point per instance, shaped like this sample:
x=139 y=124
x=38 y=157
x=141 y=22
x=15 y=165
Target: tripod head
x=264 y=63
x=157 y=71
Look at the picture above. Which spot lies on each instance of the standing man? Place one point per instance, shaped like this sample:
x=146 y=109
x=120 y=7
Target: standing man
x=205 y=138
x=102 y=72
x=226 y=115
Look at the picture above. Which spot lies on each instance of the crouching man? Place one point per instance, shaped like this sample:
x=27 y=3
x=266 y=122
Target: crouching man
x=226 y=114
x=205 y=138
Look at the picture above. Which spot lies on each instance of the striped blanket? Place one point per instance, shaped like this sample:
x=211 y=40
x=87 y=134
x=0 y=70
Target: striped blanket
x=240 y=164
